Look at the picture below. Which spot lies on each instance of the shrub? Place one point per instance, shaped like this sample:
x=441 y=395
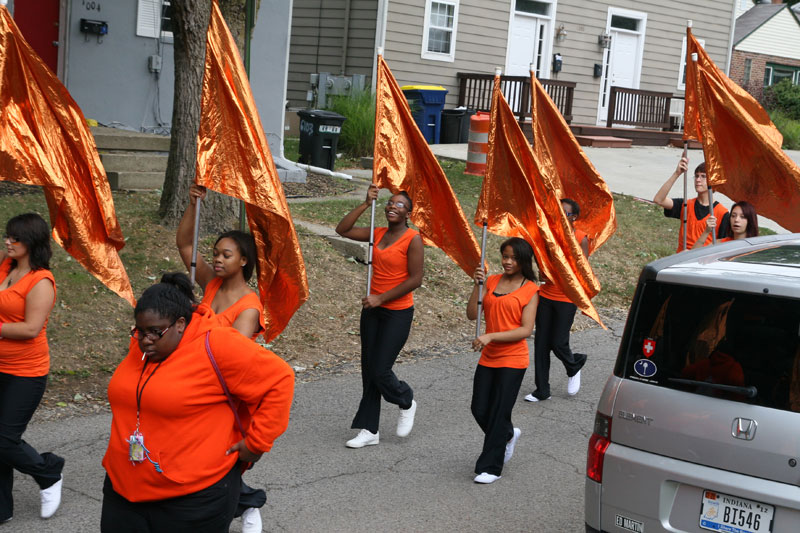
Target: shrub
x=789 y=128
x=784 y=97
x=358 y=131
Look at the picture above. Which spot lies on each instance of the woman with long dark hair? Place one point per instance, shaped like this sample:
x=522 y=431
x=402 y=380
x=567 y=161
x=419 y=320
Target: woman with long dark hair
x=742 y=224
x=509 y=306
x=176 y=452
x=27 y=295
x=227 y=293
x=386 y=314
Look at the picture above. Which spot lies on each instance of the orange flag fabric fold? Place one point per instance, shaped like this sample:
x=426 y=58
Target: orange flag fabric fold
x=403 y=161
x=45 y=141
x=519 y=199
x=742 y=146
x=233 y=158
x=573 y=175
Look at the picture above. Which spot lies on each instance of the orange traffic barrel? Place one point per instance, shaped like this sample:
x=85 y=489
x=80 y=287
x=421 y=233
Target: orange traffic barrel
x=478 y=143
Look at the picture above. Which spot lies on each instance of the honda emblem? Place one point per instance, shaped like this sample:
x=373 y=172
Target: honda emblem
x=744 y=428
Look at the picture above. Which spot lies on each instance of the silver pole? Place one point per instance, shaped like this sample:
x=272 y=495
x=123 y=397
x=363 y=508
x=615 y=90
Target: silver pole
x=195 y=237
x=685 y=210
x=480 y=283
x=711 y=213
x=371 y=246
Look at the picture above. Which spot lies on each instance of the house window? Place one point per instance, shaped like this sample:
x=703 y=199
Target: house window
x=682 y=69
x=774 y=74
x=439 y=34
x=748 y=66
x=154 y=19
x=624 y=23
x=532 y=7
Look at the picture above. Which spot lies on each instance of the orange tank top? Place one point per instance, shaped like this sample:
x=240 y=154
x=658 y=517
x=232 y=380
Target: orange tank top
x=229 y=315
x=390 y=268
x=695 y=227
x=23 y=357
x=504 y=313
x=552 y=291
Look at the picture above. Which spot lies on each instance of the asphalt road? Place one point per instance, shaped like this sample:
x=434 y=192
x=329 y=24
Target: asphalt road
x=422 y=483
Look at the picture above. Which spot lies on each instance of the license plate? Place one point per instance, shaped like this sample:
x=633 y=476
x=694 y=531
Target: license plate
x=327 y=128
x=732 y=514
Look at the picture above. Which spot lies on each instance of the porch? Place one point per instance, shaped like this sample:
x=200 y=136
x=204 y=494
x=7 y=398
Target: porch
x=635 y=116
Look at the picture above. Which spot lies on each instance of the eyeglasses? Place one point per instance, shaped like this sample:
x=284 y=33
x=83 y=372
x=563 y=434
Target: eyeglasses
x=9 y=238
x=153 y=334
x=399 y=205
x=570 y=215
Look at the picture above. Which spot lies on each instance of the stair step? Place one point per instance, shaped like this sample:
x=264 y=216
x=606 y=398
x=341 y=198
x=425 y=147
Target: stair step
x=134 y=161
x=603 y=141
x=116 y=139
x=135 y=180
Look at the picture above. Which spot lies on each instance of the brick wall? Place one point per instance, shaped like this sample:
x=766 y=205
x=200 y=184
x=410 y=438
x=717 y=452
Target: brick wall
x=755 y=85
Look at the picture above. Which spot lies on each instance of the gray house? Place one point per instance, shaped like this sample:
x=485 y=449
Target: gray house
x=637 y=44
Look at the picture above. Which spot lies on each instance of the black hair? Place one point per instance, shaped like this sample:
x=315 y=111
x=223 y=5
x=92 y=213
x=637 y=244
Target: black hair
x=405 y=195
x=172 y=298
x=701 y=168
x=247 y=247
x=523 y=253
x=31 y=230
x=576 y=209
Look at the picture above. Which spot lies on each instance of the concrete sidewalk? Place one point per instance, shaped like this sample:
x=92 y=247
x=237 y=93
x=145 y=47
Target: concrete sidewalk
x=637 y=171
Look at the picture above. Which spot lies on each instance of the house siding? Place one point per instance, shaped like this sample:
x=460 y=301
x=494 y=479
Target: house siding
x=317 y=42
x=778 y=37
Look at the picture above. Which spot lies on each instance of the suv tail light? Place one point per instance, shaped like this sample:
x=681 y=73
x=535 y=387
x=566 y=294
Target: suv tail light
x=598 y=444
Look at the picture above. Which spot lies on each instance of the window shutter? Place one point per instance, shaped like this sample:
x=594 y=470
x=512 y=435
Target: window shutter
x=148 y=18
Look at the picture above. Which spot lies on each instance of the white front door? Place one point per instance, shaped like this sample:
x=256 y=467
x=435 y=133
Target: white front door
x=622 y=62
x=525 y=45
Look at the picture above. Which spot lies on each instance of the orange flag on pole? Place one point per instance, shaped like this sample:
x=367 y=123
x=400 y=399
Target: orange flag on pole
x=45 y=141
x=403 y=161
x=742 y=146
x=520 y=199
x=573 y=174
x=233 y=158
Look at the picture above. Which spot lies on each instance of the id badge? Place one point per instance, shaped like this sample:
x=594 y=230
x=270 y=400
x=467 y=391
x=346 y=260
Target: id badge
x=136 y=447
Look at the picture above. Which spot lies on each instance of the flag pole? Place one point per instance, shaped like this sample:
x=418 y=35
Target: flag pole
x=371 y=246
x=685 y=209
x=710 y=189
x=480 y=283
x=195 y=238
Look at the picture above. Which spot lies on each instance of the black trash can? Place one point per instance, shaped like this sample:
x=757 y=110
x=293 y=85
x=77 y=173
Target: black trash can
x=319 y=137
x=455 y=125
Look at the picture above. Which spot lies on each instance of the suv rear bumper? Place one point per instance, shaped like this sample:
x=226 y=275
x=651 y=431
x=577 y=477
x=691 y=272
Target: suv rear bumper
x=590 y=529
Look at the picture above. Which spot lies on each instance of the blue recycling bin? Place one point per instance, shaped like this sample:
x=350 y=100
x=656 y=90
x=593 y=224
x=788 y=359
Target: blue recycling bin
x=426 y=102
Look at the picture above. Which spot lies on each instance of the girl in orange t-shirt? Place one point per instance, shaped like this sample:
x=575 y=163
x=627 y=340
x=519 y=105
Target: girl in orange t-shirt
x=386 y=315
x=742 y=224
x=509 y=306
x=235 y=304
x=27 y=295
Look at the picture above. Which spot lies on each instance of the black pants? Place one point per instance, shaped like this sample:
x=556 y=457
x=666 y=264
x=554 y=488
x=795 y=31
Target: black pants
x=249 y=497
x=19 y=398
x=494 y=393
x=383 y=335
x=206 y=511
x=553 y=322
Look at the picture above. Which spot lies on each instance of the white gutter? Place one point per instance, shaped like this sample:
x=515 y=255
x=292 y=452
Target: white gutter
x=380 y=37
x=324 y=171
x=730 y=42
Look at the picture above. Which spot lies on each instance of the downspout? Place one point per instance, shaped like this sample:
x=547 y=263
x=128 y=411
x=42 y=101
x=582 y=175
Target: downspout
x=380 y=37
x=730 y=41
x=345 y=34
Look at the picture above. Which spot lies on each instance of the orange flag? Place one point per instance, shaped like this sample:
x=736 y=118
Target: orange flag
x=573 y=174
x=742 y=146
x=404 y=162
x=45 y=141
x=520 y=199
x=233 y=158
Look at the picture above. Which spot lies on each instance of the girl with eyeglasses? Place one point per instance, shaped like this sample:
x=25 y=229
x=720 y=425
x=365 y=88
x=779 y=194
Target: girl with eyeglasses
x=227 y=293
x=386 y=314
x=27 y=295
x=175 y=452
x=554 y=320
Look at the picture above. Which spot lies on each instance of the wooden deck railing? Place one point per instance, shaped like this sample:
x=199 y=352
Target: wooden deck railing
x=475 y=92
x=635 y=107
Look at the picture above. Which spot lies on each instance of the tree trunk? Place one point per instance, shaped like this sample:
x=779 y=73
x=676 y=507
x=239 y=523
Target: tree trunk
x=190 y=25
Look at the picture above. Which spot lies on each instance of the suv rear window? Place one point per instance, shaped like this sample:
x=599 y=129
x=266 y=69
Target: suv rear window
x=737 y=346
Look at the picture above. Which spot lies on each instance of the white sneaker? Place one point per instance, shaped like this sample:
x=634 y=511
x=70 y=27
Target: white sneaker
x=51 y=498
x=251 y=520
x=511 y=444
x=406 y=420
x=364 y=438
x=485 y=478
x=574 y=384
x=531 y=398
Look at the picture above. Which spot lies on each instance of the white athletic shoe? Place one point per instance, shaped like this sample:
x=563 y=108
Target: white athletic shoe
x=574 y=384
x=251 y=520
x=51 y=498
x=511 y=444
x=406 y=420
x=364 y=438
x=485 y=478
x=531 y=398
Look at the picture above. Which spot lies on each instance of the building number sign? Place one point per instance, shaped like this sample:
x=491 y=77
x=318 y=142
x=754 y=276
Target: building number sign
x=91 y=5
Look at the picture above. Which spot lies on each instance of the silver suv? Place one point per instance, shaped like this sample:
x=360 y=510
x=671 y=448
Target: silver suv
x=698 y=428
